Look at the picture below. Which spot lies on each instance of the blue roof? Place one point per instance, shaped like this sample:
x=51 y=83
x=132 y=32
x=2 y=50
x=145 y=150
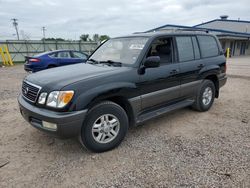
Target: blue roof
x=221 y=20
x=239 y=34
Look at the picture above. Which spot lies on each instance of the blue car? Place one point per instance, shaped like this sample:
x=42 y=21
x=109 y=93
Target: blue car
x=52 y=59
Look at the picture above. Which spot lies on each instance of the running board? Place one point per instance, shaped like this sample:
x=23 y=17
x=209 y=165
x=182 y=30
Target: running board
x=152 y=114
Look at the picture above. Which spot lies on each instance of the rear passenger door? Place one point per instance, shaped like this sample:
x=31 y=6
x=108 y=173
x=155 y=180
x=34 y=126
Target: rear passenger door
x=64 y=58
x=190 y=64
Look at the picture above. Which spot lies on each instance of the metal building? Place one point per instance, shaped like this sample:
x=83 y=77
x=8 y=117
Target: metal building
x=233 y=34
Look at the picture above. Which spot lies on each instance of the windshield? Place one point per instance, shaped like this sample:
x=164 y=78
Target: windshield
x=122 y=50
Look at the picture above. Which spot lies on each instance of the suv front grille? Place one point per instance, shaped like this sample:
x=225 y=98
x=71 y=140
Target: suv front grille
x=30 y=91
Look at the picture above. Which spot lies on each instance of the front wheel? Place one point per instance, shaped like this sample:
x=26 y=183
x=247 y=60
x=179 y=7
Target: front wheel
x=205 y=96
x=105 y=127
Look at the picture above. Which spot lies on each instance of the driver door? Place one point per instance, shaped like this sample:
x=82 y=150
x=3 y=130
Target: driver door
x=161 y=85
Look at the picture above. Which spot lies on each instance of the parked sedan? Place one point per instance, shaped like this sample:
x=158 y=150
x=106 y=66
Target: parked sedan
x=53 y=59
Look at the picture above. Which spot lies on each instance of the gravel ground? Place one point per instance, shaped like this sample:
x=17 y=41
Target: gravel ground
x=182 y=149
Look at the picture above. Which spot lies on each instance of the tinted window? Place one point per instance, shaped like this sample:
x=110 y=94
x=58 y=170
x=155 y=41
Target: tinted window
x=162 y=48
x=196 y=48
x=63 y=55
x=185 y=48
x=208 y=46
x=79 y=55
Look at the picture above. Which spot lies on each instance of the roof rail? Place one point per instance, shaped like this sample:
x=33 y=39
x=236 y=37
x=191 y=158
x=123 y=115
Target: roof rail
x=193 y=29
x=178 y=30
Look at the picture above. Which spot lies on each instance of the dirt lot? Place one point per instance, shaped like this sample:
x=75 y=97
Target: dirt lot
x=181 y=149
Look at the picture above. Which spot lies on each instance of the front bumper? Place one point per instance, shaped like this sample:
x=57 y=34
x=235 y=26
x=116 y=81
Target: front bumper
x=68 y=123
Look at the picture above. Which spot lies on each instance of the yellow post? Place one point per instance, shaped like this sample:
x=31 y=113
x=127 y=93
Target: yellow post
x=3 y=57
x=8 y=55
x=228 y=52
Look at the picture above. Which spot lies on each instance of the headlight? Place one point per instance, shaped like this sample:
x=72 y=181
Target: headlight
x=59 y=99
x=42 y=98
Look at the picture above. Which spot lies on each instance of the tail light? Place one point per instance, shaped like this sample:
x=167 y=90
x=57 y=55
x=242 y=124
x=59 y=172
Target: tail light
x=34 y=60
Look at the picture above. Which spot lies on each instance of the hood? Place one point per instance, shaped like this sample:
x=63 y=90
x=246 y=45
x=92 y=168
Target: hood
x=65 y=75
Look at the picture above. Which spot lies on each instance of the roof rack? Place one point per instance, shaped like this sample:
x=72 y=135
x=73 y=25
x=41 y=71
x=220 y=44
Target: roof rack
x=193 y=29
x=177 y=30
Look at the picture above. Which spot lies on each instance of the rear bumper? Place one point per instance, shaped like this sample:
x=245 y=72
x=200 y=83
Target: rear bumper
x=222 y=81
x=68 y=123
x=27 y=67
x=32 y=68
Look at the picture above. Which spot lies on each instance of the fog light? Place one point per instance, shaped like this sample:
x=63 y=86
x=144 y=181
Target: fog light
x=49 y=125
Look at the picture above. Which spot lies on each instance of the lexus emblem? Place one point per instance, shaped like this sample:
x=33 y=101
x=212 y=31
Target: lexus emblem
x=26 y=91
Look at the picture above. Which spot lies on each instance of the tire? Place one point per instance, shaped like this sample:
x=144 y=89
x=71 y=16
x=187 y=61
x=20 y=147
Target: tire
x=51 y=66
x=205 y=96
x=105 y=127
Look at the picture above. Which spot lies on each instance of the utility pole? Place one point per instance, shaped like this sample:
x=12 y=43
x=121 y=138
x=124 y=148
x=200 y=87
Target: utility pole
x=43 y=29
x=15 y=24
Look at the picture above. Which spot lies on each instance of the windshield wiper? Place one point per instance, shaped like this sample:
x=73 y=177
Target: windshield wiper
x=110 y=62
x=93 y=61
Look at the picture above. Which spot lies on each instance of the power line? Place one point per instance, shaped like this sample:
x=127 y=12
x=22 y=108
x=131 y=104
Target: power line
x=15 y=24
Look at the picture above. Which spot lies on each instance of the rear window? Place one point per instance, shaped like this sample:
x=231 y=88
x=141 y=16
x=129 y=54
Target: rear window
x=52 y=55
x=185 y=48
x=208 y=46
x=79 y=55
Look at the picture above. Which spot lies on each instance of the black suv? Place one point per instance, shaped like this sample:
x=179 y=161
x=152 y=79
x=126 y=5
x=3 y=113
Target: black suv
x=125 y=82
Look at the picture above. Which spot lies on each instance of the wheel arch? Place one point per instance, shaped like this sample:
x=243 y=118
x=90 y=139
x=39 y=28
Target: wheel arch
x=119 y=93
x=215 y=80
x=118 y=99
x=51 y=65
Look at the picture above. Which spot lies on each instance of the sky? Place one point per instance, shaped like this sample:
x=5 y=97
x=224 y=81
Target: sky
x=70 y=18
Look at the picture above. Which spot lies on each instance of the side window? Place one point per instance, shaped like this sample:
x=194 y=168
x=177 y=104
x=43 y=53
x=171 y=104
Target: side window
x=63 y=55
x=208 y=45
x=196 y=48
x=163 y=48
x=79 y=55
x=185 y=48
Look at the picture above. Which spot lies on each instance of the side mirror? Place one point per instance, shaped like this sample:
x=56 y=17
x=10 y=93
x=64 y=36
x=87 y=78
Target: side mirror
x=152 y=62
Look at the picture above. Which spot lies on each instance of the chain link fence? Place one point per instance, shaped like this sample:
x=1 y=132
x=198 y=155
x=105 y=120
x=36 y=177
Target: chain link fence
x=20 y=48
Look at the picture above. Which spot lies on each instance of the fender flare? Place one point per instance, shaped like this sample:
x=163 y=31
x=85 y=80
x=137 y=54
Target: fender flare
x=208 y=71
x=101 y=93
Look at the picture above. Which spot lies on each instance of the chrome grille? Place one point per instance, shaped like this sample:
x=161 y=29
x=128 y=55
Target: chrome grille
x=30 y=91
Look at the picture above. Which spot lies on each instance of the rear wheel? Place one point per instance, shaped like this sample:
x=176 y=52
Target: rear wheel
x=51 y=66
x=205 y=96
x=105 y=127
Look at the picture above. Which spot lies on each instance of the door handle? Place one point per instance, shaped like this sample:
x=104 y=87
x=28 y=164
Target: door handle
x=174 y=71
x=200 y=66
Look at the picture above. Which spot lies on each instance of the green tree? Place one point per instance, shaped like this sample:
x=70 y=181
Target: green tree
x=84 y=37
x=53 y=39
x=104 y=37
